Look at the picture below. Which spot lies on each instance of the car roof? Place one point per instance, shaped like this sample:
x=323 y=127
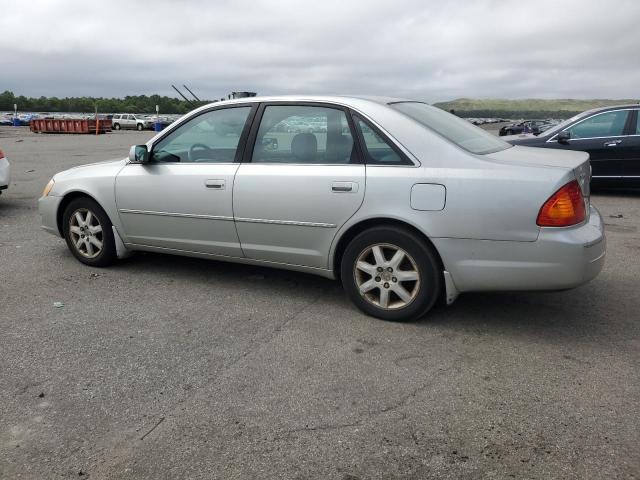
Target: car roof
x=348 y=100
x=610 y=107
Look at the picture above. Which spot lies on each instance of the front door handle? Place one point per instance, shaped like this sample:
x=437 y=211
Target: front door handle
x=344 y=187
x=612 y=143
x=215 y=184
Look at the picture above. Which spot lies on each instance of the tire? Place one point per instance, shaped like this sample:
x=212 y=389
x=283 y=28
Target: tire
x=140 y=127
x=99 y=248
x=116 y=126
x=420 y=261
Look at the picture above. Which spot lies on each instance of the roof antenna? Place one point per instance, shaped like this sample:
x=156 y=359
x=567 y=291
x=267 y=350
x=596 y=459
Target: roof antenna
x=194 y=95
x=180 y=93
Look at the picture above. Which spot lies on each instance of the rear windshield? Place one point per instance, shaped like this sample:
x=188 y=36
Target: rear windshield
x=459 y=131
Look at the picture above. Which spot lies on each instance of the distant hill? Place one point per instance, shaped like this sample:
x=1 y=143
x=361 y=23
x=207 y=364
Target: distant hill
x=525 y=108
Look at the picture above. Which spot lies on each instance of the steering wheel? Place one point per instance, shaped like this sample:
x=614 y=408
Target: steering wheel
x=197 y=147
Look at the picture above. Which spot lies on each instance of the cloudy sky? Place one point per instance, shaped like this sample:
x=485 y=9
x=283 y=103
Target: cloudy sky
x=429 y=50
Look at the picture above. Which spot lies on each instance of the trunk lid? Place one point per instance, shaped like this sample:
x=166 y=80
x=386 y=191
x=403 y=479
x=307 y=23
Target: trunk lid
x=578 y=162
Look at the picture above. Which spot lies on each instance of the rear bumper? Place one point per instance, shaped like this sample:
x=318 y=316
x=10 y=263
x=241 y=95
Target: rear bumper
x=561 y=258
x=48 y=209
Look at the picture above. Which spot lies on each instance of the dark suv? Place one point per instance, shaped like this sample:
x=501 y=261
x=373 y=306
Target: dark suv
x=611 y=137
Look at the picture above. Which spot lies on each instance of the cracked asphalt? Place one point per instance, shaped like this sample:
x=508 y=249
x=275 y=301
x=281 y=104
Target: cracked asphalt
x=168 y=367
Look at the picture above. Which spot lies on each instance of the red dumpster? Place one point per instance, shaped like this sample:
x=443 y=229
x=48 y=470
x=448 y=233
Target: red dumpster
x=69 y=125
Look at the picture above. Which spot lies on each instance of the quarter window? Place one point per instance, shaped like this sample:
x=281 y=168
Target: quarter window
x=378 y=151
x=303 y=134
x=609 y=124
x=211 y=137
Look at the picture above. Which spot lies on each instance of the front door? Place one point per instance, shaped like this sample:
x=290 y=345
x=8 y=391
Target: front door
x=298 y=185
x=182 y=198
x=604 y=137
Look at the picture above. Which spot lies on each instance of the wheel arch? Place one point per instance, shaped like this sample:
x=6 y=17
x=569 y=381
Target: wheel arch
x=67 y=199
x=363 y=225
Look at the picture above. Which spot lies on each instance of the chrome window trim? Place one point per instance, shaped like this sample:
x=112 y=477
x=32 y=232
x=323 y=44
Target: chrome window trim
x=180 y=163
x=552 y=139
x=305 y=164
x=615 y=176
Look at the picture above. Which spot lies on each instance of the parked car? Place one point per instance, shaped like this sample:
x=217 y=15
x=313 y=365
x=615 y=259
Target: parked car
x=528 y=126
x=5 y=172
x=611 y=137
x=406 y=204
x=131 y=121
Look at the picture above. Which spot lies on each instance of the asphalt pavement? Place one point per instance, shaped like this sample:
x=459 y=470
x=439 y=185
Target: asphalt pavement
x=168 y=367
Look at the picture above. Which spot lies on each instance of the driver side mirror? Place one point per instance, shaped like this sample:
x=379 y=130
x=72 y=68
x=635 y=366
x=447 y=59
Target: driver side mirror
x=563 y=137
x=139 y=154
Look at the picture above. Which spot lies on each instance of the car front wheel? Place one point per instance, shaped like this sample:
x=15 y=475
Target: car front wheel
x=140 y=127
x=391 y=273
x=116 y=126
x=88 y=232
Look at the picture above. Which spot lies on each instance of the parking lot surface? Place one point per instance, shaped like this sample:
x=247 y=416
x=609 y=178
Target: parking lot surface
x=170 y=367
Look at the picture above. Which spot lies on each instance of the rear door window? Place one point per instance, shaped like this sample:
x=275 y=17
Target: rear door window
x=378 y=151
x=303 y=134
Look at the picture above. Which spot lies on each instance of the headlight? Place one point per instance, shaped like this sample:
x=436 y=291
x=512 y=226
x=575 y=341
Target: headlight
x=48 y=188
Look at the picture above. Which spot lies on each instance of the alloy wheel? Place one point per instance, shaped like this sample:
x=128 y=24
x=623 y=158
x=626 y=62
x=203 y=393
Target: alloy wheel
x=86 y=233
x=387 y=276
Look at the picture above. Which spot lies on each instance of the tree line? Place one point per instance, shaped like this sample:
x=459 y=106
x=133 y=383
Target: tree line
x=131 y=103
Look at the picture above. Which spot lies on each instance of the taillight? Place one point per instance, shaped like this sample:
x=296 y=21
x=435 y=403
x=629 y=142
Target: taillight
x=1 y=154
x=565 y=207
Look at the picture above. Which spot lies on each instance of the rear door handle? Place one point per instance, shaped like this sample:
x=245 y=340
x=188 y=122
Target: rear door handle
x=344 y=187
x=215 y=184
x=612 y=143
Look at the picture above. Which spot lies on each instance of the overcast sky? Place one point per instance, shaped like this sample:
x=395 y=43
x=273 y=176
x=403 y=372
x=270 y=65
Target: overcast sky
x=428 y=50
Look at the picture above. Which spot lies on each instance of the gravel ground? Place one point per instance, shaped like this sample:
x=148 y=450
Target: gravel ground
x=169 y=367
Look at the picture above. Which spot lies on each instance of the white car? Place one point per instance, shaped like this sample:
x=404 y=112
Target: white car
x=5 y=172
x=403 y=202
x=130 y=121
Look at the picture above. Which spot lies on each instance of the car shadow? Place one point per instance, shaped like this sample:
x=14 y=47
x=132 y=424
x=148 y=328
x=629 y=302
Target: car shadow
x=551 y=316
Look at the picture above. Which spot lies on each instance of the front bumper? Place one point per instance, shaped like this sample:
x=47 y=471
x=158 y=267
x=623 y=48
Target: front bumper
x=559 y=259
x=48 y=209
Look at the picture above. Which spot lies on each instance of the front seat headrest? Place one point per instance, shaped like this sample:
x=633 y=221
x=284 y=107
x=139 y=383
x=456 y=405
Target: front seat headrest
x=304 y=147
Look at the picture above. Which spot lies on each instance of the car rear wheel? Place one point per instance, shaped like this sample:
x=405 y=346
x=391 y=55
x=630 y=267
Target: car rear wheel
x=391 y=273
x=88 y=232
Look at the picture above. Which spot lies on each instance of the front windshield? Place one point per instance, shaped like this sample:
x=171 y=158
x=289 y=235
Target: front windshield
x=459 y=131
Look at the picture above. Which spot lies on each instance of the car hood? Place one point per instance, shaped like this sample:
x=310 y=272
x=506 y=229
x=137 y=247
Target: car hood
x=82 y=169
x=546 y=157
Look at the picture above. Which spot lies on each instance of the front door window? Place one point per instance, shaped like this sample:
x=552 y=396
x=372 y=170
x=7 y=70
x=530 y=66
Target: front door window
x=608 y=124
x=211 y=137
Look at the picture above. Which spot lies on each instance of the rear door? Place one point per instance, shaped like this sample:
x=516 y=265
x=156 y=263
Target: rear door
x=301 y=179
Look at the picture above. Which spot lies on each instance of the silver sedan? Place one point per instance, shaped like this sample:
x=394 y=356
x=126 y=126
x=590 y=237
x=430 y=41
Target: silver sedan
x=404 y=203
